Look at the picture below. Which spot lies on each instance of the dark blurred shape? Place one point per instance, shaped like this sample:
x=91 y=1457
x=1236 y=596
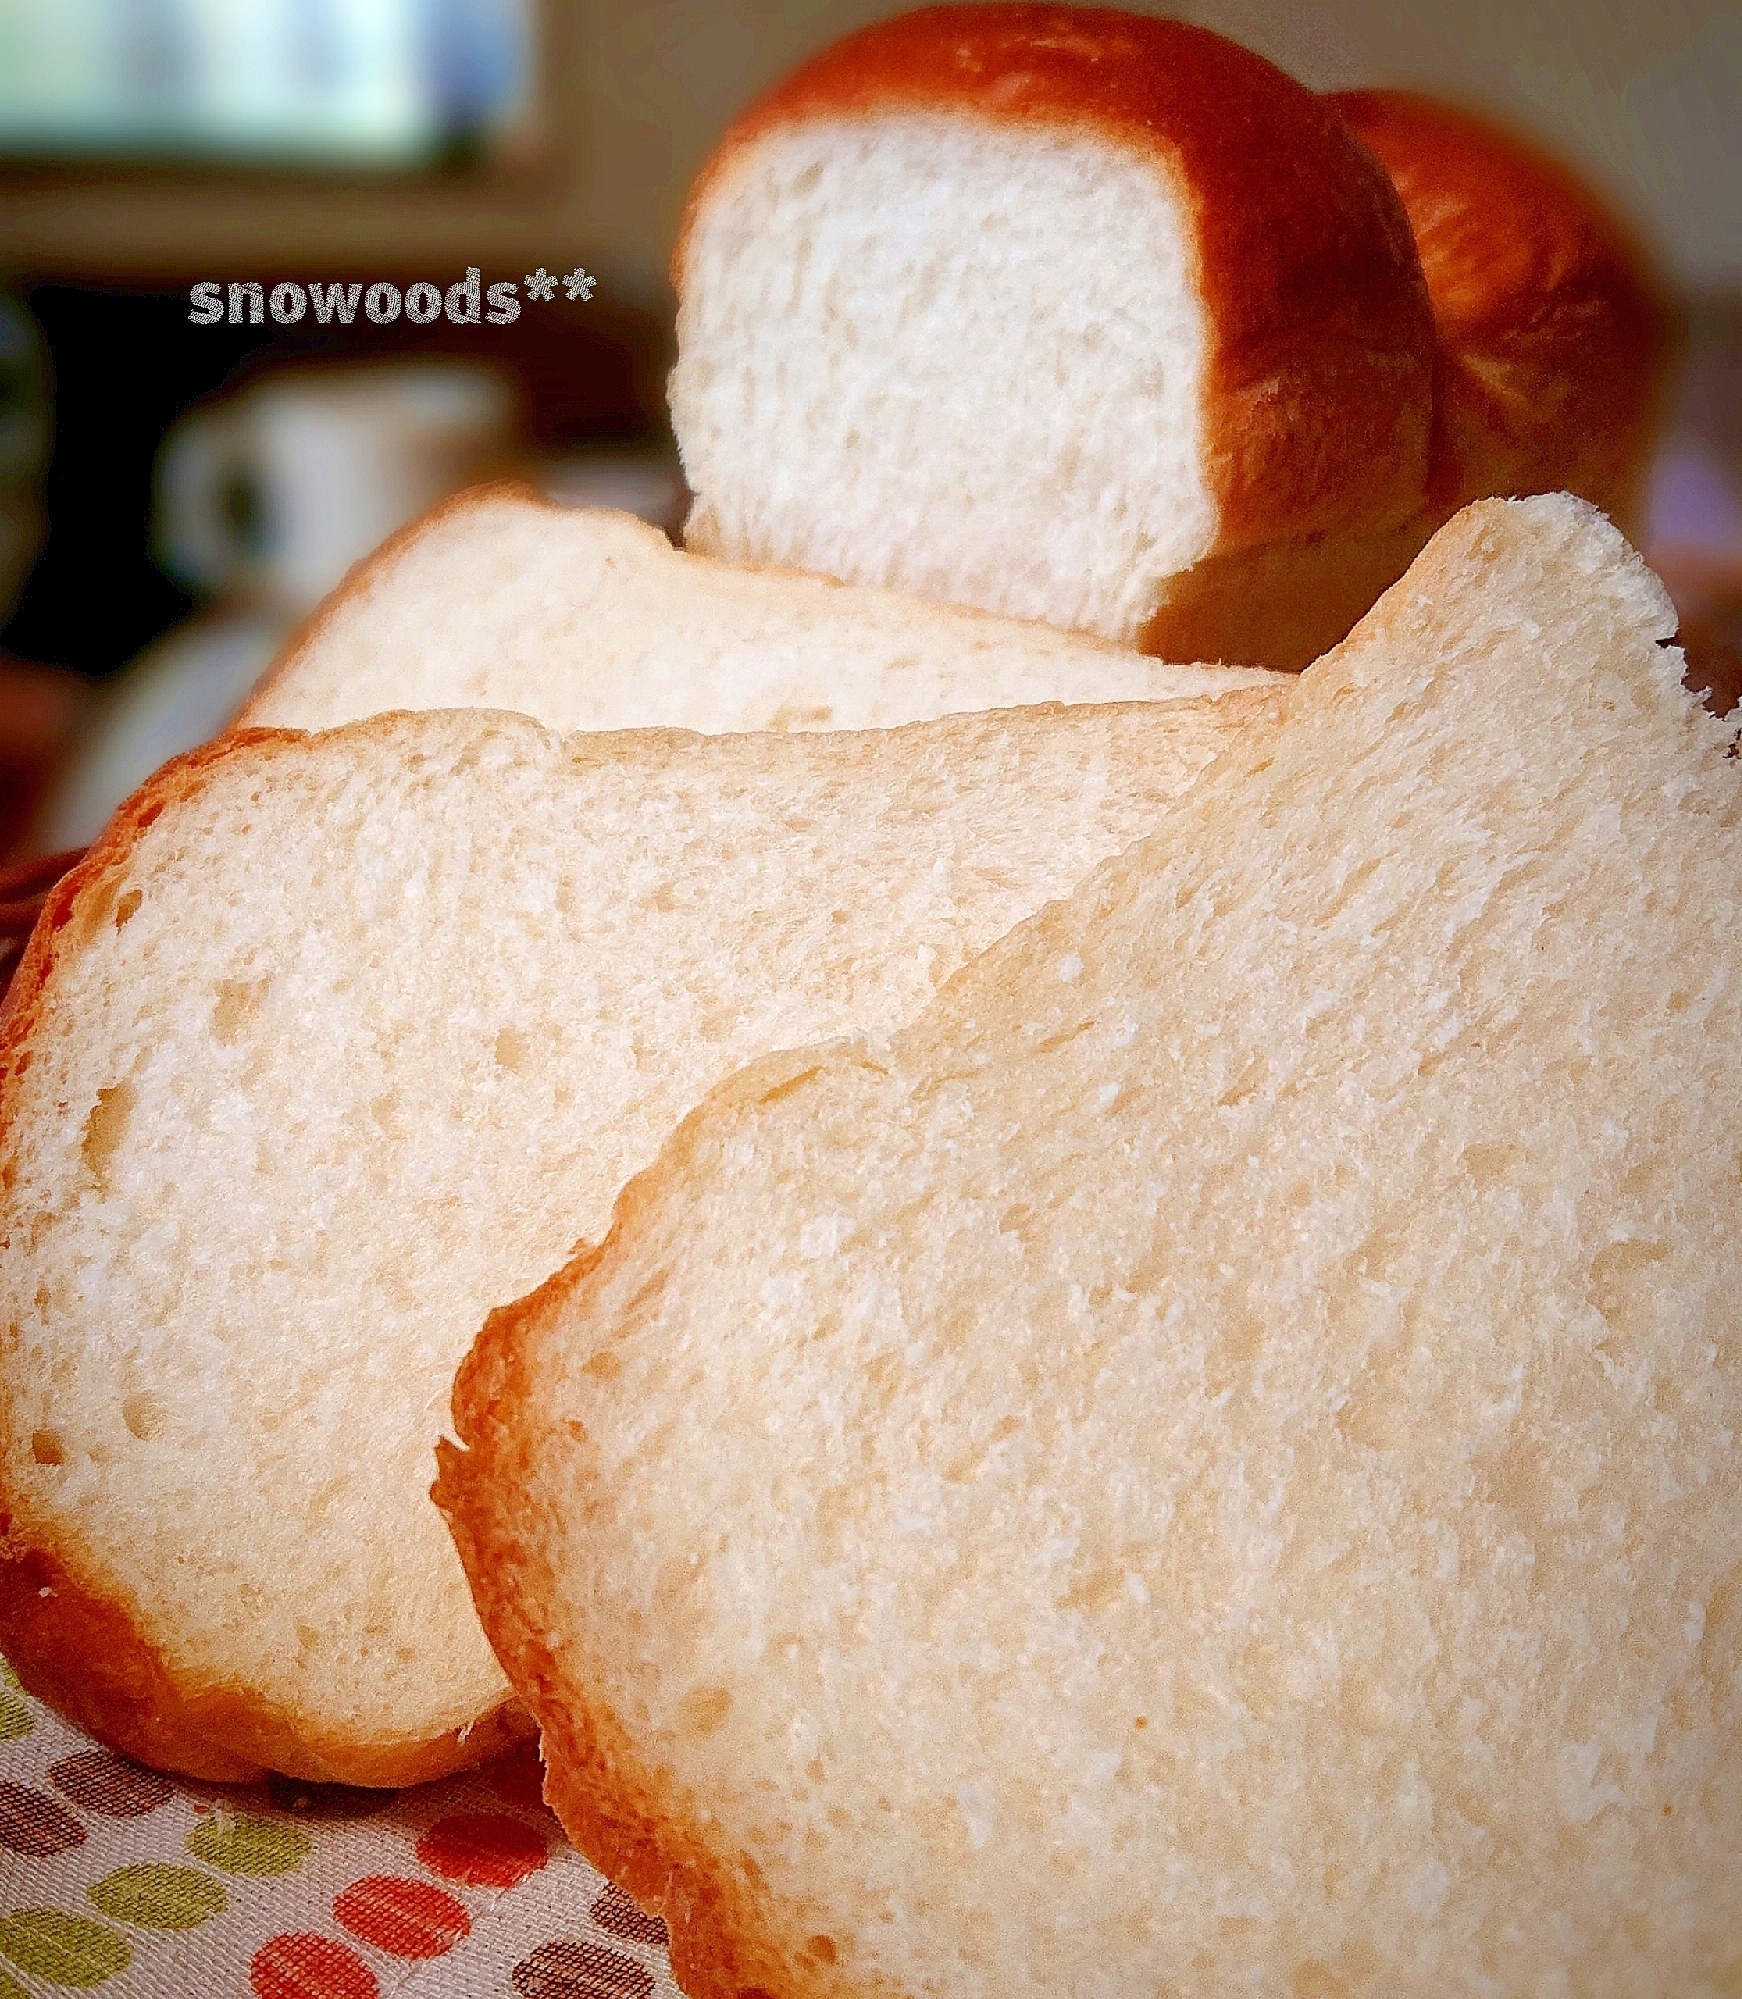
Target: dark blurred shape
x=125 y=365
x=1714 y=668
x=308 y=81
x=1695 y=537
x=40 y=711
x=128 y=363
x=23 y=890
x=1554 y=335
x=26 y=426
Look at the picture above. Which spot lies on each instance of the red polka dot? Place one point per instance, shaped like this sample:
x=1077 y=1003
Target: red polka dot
x=566 y=1968
x=310 y=1967
x=614 y=1911
x=104 y=1783
x=482 y=1850
x=32 y=1823
x=403 y=1918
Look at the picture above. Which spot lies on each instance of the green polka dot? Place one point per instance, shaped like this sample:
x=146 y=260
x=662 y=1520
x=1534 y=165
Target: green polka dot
x=63 y=1949
x=8 y=1678
x=159 y=1897
x=15 y=1718
x=249 y=1846
x=11 y=1989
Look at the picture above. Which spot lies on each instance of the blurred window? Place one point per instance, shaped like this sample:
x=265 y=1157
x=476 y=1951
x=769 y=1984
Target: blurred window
x=389 y=82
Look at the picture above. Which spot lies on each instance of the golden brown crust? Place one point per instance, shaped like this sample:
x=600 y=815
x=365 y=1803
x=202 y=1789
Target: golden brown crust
x=1285 y=603
x=24 y=889
x=1552 y=329
x=75 y=1642
x=1318 y=388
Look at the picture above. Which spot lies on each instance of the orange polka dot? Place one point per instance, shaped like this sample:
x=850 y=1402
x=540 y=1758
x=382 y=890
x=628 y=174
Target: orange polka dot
x=403 y=1918
x=310 y=1967
x=482 y=1850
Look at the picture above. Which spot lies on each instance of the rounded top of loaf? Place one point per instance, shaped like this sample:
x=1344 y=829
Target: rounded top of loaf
x=1318 y=389
x=1551 y=323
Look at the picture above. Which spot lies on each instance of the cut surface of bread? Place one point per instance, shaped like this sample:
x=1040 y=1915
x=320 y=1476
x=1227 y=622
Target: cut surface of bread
x=585 y=619
x=1038 y=309
x=1206 y=1464
x=1552 y=330
x=337 y=1041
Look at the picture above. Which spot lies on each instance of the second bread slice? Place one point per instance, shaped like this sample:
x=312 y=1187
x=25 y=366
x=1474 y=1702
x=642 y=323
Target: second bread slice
x=587 y=619
x=338 y=1041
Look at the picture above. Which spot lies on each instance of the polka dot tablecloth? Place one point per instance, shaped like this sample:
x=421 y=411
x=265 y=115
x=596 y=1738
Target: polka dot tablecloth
x=117 y=1881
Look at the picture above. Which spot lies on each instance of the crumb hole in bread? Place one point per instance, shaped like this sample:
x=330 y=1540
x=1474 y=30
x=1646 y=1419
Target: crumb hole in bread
x=128 y=907
x=512 y=1049
x=1094 y=1590
x=1247 y=1084
x=703 y=1710
x=46 y=1447
x=234 y=1002
x=1316 y=1980
x=1613 y=1289
x=144 y=1415
x=1491 y=1165
x=105 y=1128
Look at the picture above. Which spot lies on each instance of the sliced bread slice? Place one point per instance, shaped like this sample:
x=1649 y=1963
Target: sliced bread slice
x=586 y=619
x=336 y=1041
x=1207 y=1464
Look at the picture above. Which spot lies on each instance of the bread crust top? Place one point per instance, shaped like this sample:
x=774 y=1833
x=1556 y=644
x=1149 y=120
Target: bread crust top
x=1552 y=325
x=1318 y=381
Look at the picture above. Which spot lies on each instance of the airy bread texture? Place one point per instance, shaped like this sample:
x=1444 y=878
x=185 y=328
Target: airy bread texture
x=336 y=1041
x=1553 y=333
x=1207 y=1464
x=1063 y=312
x=585 y=619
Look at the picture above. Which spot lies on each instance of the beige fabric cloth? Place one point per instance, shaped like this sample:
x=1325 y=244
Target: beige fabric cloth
x=135 y=1886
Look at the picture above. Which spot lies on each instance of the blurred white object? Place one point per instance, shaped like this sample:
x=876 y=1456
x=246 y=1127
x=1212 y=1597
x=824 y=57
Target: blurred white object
x=632 y=479
x=25 y=432
x=374 y=80
x=177 y=693
x=273 y=493
x=264 y=500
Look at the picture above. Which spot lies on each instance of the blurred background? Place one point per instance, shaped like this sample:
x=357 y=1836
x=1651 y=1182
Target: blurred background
x=175 y=496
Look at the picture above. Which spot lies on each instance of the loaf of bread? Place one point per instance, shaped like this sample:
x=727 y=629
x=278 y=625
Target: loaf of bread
x=591 y=620
x=1064 y=312
x=336 y=1041
x=1552 y=332
x=1207 y=1464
